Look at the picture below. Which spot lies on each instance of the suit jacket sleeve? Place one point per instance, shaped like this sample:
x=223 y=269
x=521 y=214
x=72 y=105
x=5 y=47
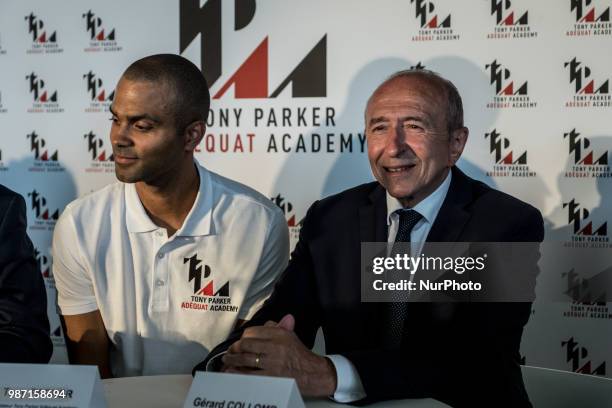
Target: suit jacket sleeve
x=24 y=326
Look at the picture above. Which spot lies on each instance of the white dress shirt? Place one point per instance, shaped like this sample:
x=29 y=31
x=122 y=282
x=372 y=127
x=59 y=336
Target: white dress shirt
x=349 y=386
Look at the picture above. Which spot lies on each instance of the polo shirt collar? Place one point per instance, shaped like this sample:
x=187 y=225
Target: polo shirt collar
x=198 y=221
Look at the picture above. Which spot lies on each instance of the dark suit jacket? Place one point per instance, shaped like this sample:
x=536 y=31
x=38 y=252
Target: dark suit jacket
x=24 y=327
x=464 y=354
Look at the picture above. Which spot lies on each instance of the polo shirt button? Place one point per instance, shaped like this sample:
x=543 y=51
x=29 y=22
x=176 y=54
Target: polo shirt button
x=160 y=255
x=160 y=233
x=160 y=282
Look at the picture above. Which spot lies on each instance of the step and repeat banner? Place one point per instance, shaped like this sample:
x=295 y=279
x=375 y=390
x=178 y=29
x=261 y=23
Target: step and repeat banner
x=289 y=81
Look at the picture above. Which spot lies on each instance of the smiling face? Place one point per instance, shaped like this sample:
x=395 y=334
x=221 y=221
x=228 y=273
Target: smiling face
x=146 y=146
x=409 y=145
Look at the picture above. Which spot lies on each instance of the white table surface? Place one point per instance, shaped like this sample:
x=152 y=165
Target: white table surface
x=168 y=391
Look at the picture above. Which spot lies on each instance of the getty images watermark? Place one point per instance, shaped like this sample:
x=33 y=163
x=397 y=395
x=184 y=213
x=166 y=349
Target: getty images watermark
x=449 y=272
x=405 y=264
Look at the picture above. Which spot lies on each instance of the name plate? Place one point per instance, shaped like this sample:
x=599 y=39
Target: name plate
x=42 y=385
x=220 y=390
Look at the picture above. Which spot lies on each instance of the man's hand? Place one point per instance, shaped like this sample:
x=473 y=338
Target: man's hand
x=275 y=350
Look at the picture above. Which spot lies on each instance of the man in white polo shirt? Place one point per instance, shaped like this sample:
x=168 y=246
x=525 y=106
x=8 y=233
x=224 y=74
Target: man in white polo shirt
x=156 y=269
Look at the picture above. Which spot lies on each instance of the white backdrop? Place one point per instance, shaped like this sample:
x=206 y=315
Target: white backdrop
x=290 y=80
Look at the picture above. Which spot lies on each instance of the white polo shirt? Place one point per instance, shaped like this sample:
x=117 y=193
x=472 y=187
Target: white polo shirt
x=166 y=302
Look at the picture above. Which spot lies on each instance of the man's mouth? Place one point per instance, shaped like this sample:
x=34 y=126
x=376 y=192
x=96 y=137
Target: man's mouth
x=398 y=169
x=119 y=159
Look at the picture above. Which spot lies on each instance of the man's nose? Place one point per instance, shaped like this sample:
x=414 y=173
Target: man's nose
x=119 y=135
x=396 y=141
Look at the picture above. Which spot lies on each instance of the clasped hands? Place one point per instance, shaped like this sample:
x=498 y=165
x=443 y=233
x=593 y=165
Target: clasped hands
x=274 y=350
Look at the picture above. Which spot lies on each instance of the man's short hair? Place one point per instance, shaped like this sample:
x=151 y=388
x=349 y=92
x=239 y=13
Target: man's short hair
x=454 y=114
x=191 y=99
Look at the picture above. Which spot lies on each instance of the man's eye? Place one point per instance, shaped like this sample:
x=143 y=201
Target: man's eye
x=142 y=126
x=113 y=119
x=412 y=126
x=379 y=128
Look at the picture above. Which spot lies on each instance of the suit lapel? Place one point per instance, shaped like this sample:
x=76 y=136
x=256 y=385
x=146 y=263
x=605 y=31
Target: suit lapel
x=453 y=214
x=372 y=228
x=373 y=217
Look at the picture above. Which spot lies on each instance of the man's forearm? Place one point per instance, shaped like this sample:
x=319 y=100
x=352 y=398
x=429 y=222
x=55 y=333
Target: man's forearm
x=87 y=342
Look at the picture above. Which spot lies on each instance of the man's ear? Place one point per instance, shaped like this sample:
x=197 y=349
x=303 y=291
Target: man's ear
x=457 y=143
x=194 y=133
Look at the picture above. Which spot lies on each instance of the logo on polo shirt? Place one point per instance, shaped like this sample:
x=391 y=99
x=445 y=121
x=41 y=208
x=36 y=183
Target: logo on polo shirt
x=590 y=19
x=101 y=38
x=205 y=296
x=42 y=40
x=510 y=23
x=587 y=161
x=508 y=92
x=576 y=355
x=585 y=232
x=588 y=295
x=588 y=91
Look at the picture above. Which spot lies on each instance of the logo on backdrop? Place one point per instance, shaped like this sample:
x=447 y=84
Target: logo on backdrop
x=289 y=128
x=586 y=232
x=589 y=91
x=43 y=40
x=2 y=108
x=2 y=166
x=577 y=355
x=250 y=80
x=590 y=18
x=102 y=160
x=45 y=216
x=587 y=161
x=510 y=23
x=206 y=296
x=45 y=159
x=508 y=92
x=43 y=100
x=101 y=36
x=43 y=260
x=589 y=299
x=56 y=337
x=433 y=26
x=507 y=162
x=287 y=208
x=100 y=99
x=2 y=50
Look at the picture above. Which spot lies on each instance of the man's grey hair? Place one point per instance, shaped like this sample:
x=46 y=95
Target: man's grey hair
x=454 y=114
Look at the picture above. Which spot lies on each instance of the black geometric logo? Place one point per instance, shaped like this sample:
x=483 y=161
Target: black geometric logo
x=308 y=78
x=576 y=355
x=195 y=275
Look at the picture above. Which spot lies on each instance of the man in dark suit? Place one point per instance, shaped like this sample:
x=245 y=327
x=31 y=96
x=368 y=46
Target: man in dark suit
x=24 y=327
x=464 y=354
